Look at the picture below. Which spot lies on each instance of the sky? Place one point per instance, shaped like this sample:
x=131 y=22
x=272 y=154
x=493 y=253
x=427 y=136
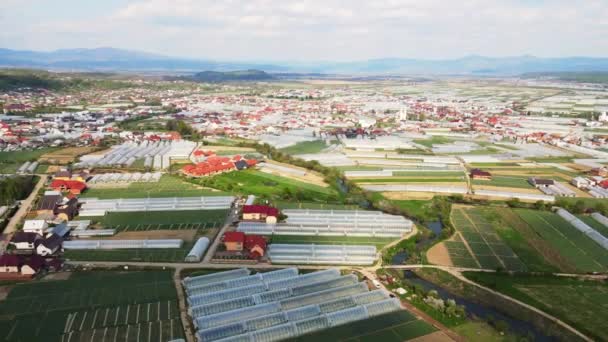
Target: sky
x=311 y=30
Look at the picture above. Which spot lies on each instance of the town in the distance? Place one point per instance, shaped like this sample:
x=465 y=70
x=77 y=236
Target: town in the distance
x=255 y=206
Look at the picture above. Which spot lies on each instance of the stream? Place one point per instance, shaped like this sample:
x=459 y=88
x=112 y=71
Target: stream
x=517 y=326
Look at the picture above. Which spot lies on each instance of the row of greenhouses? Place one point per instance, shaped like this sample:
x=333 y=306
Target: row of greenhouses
x=311 y=254
x=280 y=304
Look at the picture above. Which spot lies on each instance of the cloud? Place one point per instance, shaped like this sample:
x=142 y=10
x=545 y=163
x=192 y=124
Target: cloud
x=313 y=29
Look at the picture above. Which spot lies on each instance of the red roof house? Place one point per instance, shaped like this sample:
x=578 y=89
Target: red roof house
x=74 y=187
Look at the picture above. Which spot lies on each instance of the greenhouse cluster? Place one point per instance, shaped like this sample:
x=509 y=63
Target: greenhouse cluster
x=333 y=223
x=155 y=154
x=583 y=227
x=237 y=306
x=99 y=207
x=122 y=244
x=311 y=254
x=27 y=167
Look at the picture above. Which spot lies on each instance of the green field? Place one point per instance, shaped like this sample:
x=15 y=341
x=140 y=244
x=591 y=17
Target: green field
x=433 y=140
x=26 y=155
x=490 y=251
x=135 y=255
x=331 y=240
x=582 y=252
x=271 y=186
x=91 y=303
x=506 y=181
x=422 y=210
x=581 y=303
x=305 y=147
x=151 y=220
x=168 y=186
x=534 y=252
x=396 y=326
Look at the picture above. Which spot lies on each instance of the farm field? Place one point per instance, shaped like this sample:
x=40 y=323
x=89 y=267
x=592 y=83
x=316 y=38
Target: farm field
x=270 y=186
x=580 y=303
x=481 y=242
x=506 y=181
x=154 y=220
x=89 y=304
x=578 y=249
x=23 y=156
x=420 y=209
x=536 y=253
x=331 y=240
x=65 y=155
x=168 y=186
x=305 y=147
x=135 y=255
x=396 y=326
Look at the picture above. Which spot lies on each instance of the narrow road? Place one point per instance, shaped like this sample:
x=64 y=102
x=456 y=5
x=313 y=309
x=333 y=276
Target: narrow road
x=25 y=206
x=232 y=216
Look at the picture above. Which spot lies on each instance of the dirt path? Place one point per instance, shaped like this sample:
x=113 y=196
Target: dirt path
x=183 y=309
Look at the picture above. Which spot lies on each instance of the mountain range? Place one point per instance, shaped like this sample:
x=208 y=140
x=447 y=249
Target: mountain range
x=111 y=59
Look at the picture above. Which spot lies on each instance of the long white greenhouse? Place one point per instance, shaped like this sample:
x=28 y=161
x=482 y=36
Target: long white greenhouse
x=99 y=207
x=518 y=195
x=583 y=227
x=445 y=189
x=333 y=223
x=311 y=254
x=198 y=250
x=122 y=244
x=286 y=304
x=600 y=218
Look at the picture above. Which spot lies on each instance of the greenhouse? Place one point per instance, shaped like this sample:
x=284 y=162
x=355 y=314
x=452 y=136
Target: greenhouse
x=333 y=223
x=284 y=305
x=322 y=254
x=122 y=244
x=215 y=277
x=198 y=250
x=583 y=227
x=99 y=207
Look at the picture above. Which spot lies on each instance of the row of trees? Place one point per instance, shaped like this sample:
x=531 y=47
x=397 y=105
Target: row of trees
x=15 y=188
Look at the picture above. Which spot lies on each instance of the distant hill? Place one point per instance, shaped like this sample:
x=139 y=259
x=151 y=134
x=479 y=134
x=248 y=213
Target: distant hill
x=231 y=76
x=15 y=79
x=110 y=59
x=586 y=77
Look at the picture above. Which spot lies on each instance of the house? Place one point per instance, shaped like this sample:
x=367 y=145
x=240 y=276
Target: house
x=67 y=210
x=33 y=265
x=234 y=241
x=480 y=175
x=256 y=245
x=24 y=242
x=599 y=171
x=581 y=182
x=73 y=186
x=35 y=226
x=49 y=246
x=9 y=263
x=260 y=213
x=48 y=202
x=540 y=183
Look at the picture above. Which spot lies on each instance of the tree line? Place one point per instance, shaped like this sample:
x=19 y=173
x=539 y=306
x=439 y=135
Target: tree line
x=15 y=188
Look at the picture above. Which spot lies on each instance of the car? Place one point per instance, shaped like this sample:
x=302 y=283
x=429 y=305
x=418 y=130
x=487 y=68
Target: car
x=376 y=283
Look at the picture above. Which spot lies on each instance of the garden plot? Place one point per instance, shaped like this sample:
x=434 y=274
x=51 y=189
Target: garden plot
x=480 y=243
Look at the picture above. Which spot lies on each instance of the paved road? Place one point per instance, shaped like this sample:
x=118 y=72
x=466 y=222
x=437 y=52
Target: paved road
x=232 y=216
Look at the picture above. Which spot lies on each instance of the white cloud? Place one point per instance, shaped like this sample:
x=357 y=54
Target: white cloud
x=319 y=29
